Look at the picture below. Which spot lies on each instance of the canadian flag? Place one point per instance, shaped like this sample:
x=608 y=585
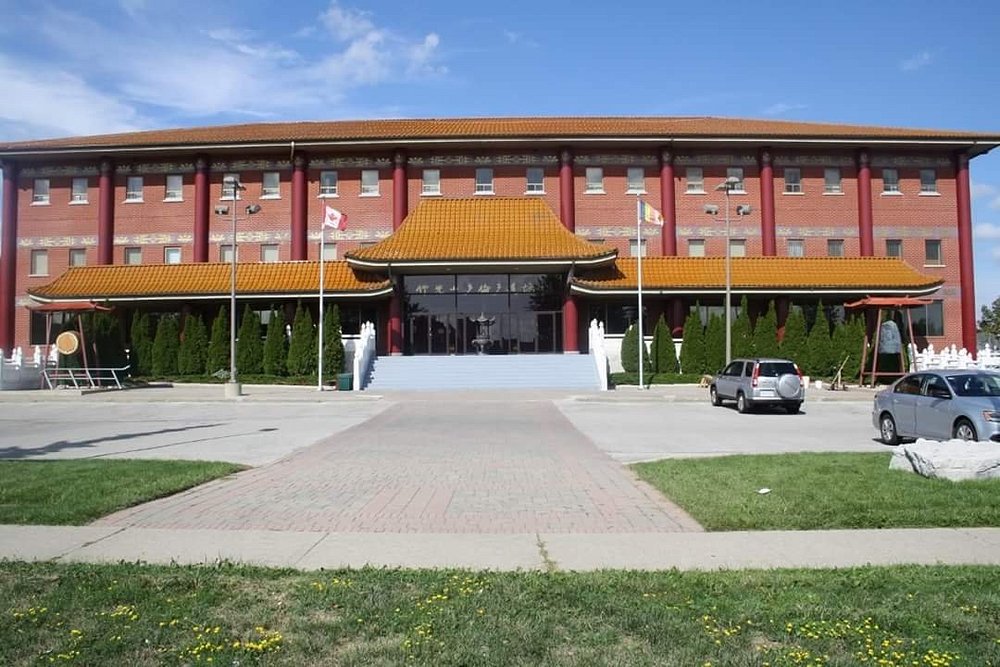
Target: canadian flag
x=335 y=219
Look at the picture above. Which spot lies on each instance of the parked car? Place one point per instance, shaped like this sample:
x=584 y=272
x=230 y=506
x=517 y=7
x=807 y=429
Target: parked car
x=753 y=382
x=939 y=405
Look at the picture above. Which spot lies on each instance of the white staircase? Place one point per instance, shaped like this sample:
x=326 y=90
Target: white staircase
x=516 y=371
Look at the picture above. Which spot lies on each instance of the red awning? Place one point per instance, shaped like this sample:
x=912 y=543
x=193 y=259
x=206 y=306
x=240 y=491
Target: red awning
x=888 y=302
x=70 y=306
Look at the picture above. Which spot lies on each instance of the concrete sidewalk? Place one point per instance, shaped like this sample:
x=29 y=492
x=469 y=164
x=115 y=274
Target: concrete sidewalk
x=525 y=551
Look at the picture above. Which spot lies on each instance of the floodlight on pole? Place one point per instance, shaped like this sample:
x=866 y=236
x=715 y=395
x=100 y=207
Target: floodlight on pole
x=731 y=183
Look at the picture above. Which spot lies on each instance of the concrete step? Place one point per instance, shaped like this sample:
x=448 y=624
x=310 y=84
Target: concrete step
x=542 y=371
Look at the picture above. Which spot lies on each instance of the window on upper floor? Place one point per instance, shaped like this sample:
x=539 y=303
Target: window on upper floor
x=327 y=184
x=696 y=247
x=534 y=181
x=269 y=252
x=132 y=255
x=737 y=173
x=796 y=247
x=270 y=185
x=172 y=255
x=793 y=180
x=78 y=195
x=635 y=180
x=893 y=247
x=928 y=320
x=369 y=183
x=832 y=184
x=737 y=247
x=226 y=253
x=329 y=251
x=595 y=180
x=40 y=195
x=431 y=182
x=932 y=252
x=39 y=262
x=635 y=247
x=928 y=182
x=835 y=247
x=133 y=188
x=695 y=177
x=228 y=191
x=484 y=181
x=78 y=257
x=174 y=188
x=890 y=181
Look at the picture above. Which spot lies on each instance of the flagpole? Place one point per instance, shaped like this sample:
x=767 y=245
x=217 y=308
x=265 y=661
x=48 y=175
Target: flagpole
x=322 y=251
x=638 y=243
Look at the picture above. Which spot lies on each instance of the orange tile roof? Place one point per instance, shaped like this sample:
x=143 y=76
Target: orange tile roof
x=402 y=130
x=481 y=230
x=208 y=280
x=852 y=274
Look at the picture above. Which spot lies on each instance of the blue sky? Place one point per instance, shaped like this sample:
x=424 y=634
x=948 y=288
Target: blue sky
x=103 y=66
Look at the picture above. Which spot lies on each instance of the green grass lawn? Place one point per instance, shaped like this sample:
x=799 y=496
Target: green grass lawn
x=813 y=491
x=139 y=615
x=77 y=492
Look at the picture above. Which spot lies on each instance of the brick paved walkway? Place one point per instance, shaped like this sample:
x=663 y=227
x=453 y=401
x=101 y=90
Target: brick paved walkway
x=467 y=466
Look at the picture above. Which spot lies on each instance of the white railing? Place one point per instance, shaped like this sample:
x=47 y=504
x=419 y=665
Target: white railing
x=952 y=357
x=598 y=352
x=364 y=355
x=18 y=373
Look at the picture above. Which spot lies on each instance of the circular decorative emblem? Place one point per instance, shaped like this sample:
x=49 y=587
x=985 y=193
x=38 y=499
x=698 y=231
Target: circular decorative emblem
x=67 y=342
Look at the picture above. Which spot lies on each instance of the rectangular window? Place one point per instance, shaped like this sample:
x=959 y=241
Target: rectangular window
x=369 y=182
x=534 y=181
x=226 y=253
x=40 y=195
x=133 y=188
x=793 y=180
x=929 y=320
x=695 y=180
x=928 y=182
x=39 y=262
x=932 y=252
x=174 y=190
x=133 y=255
x=172 y=255
x=796 y=247
x=636 y=180
x=835 y=247
x=78 y=257
x=227 y=186
x=431 y=182
x=737 y=247
x=79 y=192
x=634 y=247
x=270 y=185
x=595 y=180
x=893 y=247
x=484 y=181
x=890 y=180
x=696 y=247
x=327 y=184
x=329 y=251
x=737 y=173
x=269 y=252
x=831 y=181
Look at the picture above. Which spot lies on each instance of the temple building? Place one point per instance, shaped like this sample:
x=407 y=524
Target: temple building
x=527 y=223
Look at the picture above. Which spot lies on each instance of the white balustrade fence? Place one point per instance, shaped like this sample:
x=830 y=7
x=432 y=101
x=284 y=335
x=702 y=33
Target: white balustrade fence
x=952 y=357
x=598 y=352
x=364 y=355
x=16 y=372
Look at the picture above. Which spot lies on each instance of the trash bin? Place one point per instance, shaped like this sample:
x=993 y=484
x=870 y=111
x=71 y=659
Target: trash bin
x=345 y=381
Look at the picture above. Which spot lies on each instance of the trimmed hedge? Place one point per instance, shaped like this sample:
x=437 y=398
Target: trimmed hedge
x=655 y=378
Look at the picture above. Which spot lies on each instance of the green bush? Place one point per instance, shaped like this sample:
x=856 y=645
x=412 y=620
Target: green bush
x=275 y=345
x=765 y=333
x=664 y=354
x=655 y=378
x=793 y=344
x=715 y=344
x=218 y=347
x=302 y=346
x=166 y=345
x=693 y=344
x=194 y=344
x=142 y=345
x=630 y=352
x=249 y=348
x=819 y=353
x=333 y=344
x=742 y=336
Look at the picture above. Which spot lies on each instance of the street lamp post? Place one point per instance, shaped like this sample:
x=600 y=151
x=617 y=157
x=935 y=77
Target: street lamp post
x=728 y=185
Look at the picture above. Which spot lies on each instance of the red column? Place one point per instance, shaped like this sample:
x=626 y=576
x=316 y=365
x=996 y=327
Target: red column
x=201 y=201
x=399 y=205
x=781 y=305
x=677 y=316
x=106 y=214
x=395 y=332
x=966 y=274
x=571 y=344
x=8 y=257
x=567 y=203
x=769 y=245
x=668 y=204
x=865 y=234
x=300 y=208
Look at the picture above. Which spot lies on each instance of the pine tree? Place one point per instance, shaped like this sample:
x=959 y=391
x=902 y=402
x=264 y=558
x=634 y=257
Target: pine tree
x=107 y=340
x=630 y=353
x=715 y=344
x=142 y=345
x=693 y=344
x=191 y=358
x=742 y=337
x=333 y=343
x=275 y=352
x=854 y=343
x=302 y=346
x=765 y=333
x=249 y=348
x=165 y=346
x=819 y=345
x=793 y=345
x=218 y=347
x=664 y=355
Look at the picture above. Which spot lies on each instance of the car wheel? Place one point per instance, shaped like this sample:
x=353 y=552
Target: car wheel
x=742 y=404
x=793 y=408
x=716 y=401
x=887 y=429
x=964 y=430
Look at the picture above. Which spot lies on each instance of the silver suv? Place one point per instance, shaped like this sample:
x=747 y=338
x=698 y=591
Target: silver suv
x=752 y=382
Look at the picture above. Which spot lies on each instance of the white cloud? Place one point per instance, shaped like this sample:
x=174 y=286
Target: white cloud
x=346 y=24
x=986 y=230
x=984 y=190
x=995 y=252
x=422 y=56
x=780 y=108
x=132 y=7
x=920 y=60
